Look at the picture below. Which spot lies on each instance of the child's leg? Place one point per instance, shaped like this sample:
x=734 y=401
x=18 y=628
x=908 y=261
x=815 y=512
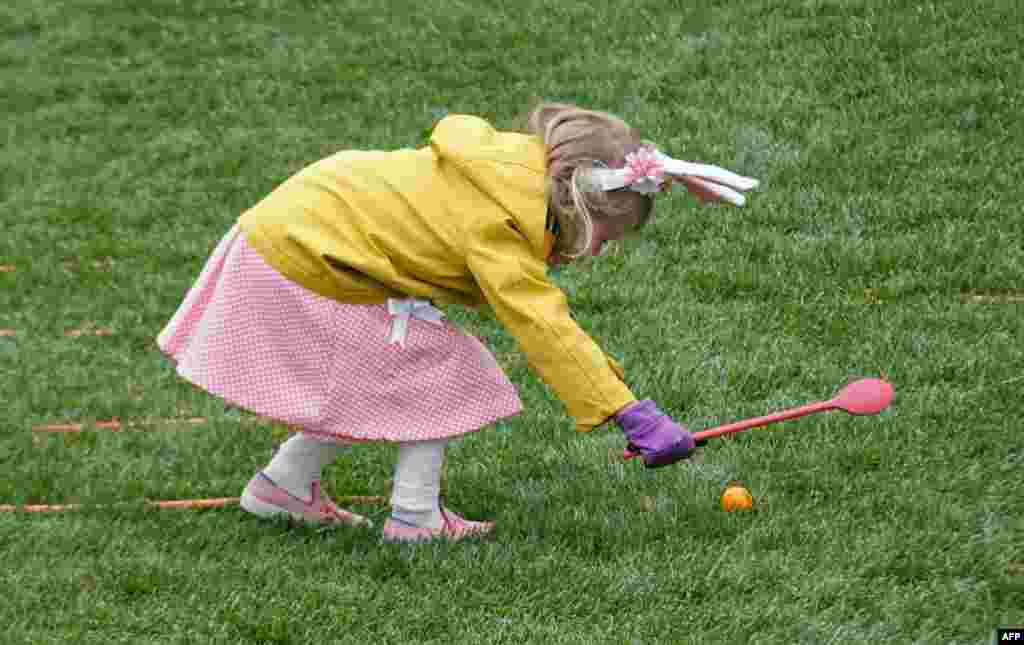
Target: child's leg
x=417 y=486
x=416 y=512
x=290 y=485
x=299 y=462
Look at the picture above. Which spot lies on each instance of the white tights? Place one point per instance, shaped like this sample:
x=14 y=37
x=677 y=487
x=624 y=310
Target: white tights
x=417 y=488
x=417 y=485
x=299 y=461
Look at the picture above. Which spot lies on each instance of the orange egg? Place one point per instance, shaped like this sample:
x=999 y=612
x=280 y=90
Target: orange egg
x=737 y=498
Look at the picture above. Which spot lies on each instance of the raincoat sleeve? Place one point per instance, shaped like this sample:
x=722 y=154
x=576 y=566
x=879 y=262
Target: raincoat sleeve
x=535 y=311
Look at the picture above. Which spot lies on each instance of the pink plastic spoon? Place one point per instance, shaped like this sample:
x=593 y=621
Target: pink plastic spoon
x=866 y=396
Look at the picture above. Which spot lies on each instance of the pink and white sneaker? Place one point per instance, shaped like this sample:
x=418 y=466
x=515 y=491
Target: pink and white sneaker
x=455 y=528
x=264 y=498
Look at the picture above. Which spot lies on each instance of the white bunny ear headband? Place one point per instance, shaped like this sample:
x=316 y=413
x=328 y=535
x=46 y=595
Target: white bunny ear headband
x=648 y=170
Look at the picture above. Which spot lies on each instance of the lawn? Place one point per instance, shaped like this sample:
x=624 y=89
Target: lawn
x=887 y=239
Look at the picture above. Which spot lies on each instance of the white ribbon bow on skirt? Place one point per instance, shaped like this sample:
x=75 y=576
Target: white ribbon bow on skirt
x=403 y=311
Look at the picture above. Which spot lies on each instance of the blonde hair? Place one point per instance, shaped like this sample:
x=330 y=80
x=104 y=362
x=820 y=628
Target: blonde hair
x=577 y=140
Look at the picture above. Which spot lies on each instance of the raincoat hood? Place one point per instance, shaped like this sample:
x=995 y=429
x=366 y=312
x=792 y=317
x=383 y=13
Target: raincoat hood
x=507 y=167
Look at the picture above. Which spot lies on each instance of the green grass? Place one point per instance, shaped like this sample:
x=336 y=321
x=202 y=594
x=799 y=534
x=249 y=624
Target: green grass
x=887 y=136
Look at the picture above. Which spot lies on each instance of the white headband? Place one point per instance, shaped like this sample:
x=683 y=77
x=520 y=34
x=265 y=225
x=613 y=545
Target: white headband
x=647 y=169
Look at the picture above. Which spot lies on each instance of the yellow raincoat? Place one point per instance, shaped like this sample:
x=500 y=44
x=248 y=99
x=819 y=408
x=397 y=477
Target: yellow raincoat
x=459 y=221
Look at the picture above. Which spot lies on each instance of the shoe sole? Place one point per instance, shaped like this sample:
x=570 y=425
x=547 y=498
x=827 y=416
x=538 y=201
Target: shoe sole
x=256 y=506
x=486 y=534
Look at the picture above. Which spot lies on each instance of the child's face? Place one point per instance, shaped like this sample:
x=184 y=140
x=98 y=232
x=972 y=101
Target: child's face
x=604 y=231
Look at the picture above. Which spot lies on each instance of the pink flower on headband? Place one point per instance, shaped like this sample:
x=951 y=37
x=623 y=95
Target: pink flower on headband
x=646 y=174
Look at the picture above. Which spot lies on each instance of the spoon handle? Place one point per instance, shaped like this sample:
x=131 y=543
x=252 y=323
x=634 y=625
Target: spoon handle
x=746 y=424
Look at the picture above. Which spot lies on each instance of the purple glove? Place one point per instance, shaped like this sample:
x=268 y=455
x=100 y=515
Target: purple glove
x=659 y=440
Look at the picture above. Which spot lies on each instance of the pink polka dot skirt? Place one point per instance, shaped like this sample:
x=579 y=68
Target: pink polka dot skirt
x=261 y=342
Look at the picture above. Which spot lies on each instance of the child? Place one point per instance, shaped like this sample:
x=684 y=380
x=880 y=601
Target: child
x=316 y=309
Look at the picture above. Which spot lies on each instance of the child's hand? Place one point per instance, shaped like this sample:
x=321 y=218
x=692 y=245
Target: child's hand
x=654 y=435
